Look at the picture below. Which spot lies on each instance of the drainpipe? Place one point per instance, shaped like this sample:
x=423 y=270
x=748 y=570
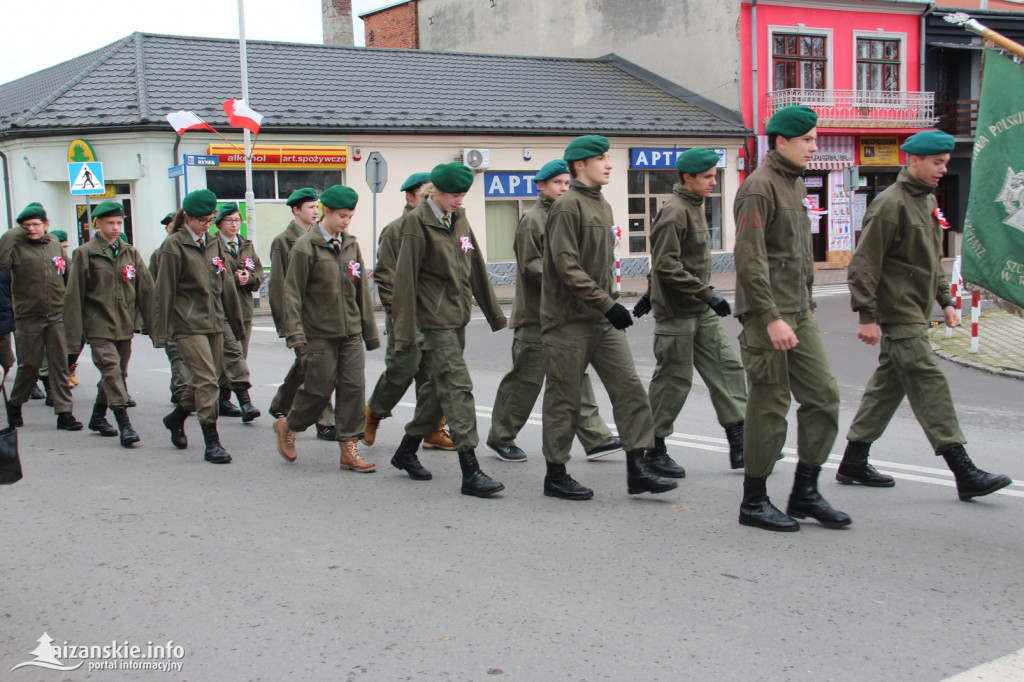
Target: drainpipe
x=752 y=161
x=7 y=190
x=924 y=49
x=174 y=162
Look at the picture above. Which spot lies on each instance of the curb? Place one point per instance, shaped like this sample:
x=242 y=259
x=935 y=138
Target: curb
x=973 y=364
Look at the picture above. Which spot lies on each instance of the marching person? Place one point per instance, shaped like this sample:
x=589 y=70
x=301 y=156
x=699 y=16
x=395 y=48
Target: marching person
x=328 y=317
x=582 y=324
x=442 y=271
x=179 y=370
x=520 y=388
x=780 y=343
x=44 y=370
x=191 y=276
x=401 y=369
x=108 y=288
x=894 y=277
x=688 y=330
x=305 y=206
x=247 y=272
x=38 y=278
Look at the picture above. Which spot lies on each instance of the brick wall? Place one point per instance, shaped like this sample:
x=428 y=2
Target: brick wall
x=394 y=27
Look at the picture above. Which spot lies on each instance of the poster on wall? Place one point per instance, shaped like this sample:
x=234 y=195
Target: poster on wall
x=839 y=235
x=881 y=150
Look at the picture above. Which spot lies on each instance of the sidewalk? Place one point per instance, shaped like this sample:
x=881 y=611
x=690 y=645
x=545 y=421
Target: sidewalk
x=1000 y=343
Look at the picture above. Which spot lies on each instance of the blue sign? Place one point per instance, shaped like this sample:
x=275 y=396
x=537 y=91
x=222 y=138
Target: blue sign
x=512 y=185
x=201 y=160
x=86 y=178
x=662 y=159
x=176 y=171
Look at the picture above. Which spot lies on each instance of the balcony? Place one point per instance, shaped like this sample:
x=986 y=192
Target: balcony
x=958 y=117
x=860 y=108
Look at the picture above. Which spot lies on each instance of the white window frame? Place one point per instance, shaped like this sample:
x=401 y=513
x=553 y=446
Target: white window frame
x=800 y=29
x=880 y=35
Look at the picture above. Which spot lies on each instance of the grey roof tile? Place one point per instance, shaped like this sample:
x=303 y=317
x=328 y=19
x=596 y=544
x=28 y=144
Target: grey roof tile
x=139 y=79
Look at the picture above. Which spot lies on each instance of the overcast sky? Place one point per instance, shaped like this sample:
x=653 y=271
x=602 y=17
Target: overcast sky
x=41 y=33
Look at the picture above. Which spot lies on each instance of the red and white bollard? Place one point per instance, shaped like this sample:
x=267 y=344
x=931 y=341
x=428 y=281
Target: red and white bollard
x=953 y=289
x=618 y=273
x=975 y=316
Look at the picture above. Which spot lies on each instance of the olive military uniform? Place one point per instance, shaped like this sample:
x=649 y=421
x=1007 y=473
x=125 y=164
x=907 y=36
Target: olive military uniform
x=519 y=389
x=179 y=370
x=774 y=276
x=687 y=332
x=577 y=290
x=236 y=345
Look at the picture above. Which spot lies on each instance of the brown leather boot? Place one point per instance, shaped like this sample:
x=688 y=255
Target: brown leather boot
x=439 y=440
x=285 y=440
x=352 y=460
x=372 y=422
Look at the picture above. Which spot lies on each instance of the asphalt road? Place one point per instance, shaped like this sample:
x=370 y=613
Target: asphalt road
x=264 y=570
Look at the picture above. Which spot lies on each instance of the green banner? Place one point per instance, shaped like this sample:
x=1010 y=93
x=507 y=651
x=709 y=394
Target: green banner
x=993 y=251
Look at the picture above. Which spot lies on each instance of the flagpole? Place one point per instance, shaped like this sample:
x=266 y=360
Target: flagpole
x=964 y=20
x=250 y=198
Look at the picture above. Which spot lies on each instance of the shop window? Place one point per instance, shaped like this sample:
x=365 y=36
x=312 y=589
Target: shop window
x=269 y=184
x=502 y=219
x=799 y=61
x=878 y=64
x=648 y=190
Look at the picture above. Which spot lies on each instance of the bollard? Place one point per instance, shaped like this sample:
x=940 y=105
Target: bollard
x=975 y=315
x=953 y=290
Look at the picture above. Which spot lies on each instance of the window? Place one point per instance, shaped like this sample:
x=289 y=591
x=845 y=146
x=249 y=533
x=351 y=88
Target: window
x=268 y=184
x=502 y=218
x=878 y=64
x=799 y=61
x=648 y=190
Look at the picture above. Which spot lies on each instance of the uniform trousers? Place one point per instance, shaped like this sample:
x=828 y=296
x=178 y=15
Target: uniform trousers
x=401 y=369
x=332 y=367
x=907 y=367
x=111 y=359
x=285 y=395
x=179 y=370
x=236 y=369
x=568 y=350
x=33 y=335
x=444 y=366
x=204 y=355
x=774 y=375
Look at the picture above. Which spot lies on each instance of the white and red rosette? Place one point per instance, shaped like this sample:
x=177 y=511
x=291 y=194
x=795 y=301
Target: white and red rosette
x=465 y=243
x=60 y=264
x=216 y=260
x=940 y=216
x=248 y=264
x=354 y=268
x=129 y=272
x=617 y=233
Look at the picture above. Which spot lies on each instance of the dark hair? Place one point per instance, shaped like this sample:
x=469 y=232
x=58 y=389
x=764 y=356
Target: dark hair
x=572 y=167
x=178 y=221
x=772 y=139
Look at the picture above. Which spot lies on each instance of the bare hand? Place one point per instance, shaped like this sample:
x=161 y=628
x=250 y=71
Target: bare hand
x=782 y=335
x=243 y=277
x=868 y=333
x=951 y=316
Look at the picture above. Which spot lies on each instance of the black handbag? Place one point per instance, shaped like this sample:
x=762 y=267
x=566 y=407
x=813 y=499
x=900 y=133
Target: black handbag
x=10 y=462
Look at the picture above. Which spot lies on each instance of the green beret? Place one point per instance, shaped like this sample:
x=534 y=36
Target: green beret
x=124 y=237
x=792 y=121
x=226 y=210
x=929 y=142
x=414 y=181
x=697 y=160
x=452 y=178
x=200 y=203
x=168 y=218
x=301 y=196
x=59 y=235
x=107 y=209
x=551 y=169
x=585 y=147
x=33 y=211
x=339 y=196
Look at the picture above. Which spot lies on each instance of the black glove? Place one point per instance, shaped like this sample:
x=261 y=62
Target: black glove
x=643 y=306
x=720 y=306
x=619 y=316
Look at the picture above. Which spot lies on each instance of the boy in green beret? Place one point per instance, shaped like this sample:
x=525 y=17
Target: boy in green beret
x=780 y=343
x=108 y=288
x=687 y=312
x=38 y=268
x=520 y=388
x=304 y=204
x=895 y=277
x=179 y=370
x=582 y=324
x=400 y=369
x=443 y=270
x=328 y=317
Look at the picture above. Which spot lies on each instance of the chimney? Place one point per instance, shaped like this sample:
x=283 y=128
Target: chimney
x=338 y=27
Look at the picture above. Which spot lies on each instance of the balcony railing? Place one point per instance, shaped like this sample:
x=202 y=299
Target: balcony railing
x=958 y=117
x=860 y=108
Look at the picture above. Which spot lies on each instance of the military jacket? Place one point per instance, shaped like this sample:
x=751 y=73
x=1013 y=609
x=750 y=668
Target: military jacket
x=774 y=258
x=680 y=257
x=280 y=248
x=39 y=271
x=247 y=260
x=191 y=283
x=896 y=272
x=327 y=295
x=529 y=250
x=105 y=295
x=579 y=259
x=440 y=271
x=387 y=256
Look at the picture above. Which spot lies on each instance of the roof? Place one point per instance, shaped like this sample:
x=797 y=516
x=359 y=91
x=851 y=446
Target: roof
x=385 y=8
x=134 y=82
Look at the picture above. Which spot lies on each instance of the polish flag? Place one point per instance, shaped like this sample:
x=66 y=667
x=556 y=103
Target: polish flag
x=241 y=116
x=187 y=120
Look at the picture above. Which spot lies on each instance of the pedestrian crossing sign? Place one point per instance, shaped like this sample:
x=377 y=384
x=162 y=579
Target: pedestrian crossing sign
x=86 y=178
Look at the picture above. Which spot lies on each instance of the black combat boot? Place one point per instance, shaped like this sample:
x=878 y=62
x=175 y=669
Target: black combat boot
x=225 y=407
x=14 y=417
x=758 y=511
x=474 y=481
x=805 y=500
x=46 y=387
x=175 y=422
x=67 y=422
x=734 y=434
x=37 y=393
x=640 y=479
x=970 y=480
x=249 y=411
x=98 y=422
x=215 y=452
x=558 y=483
x=128 y=435
x=405 y=458
x=659 y=462
x=855 y=468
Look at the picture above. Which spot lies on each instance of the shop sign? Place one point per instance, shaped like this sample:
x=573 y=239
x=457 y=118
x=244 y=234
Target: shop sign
x=284 y=157
x=509 y=185
x=662 y=159
x=880 y=151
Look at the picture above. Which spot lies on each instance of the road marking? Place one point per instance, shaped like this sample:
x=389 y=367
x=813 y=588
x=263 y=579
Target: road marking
x=1009 y=668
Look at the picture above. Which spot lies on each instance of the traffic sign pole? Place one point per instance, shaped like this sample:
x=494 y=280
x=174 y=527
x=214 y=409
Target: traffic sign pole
x=376 y=178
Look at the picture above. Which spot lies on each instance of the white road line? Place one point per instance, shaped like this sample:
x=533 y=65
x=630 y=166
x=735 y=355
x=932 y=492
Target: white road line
x=1009 y=668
